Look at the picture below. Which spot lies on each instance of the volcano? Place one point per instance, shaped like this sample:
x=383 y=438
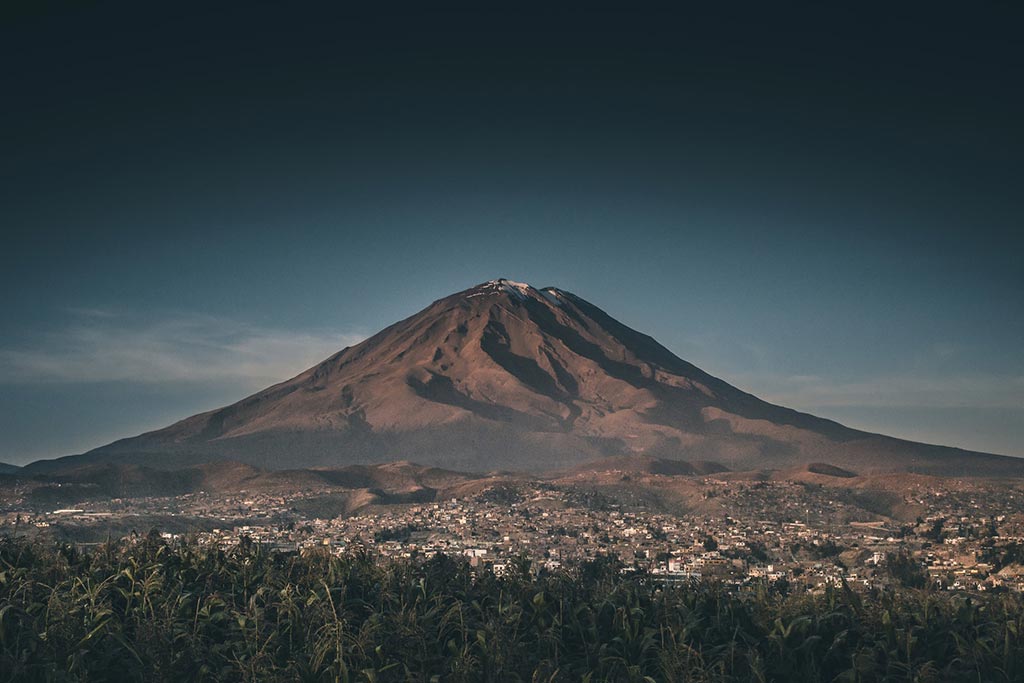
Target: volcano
x=504 y=376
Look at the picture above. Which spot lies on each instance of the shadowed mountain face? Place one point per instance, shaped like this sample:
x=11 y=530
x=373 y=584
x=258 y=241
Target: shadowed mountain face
x=507 y=377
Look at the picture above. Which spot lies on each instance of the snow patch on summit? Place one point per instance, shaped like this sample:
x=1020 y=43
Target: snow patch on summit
x=552 y=295
x=519 y=290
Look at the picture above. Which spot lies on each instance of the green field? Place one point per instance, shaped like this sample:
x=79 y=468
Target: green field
x=148 y=611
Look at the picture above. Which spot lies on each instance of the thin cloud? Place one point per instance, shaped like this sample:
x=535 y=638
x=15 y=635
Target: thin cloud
x=960 y=391
x=182 y=348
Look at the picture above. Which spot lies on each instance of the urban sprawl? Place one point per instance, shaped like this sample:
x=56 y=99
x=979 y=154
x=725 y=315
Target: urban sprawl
x=789 y=533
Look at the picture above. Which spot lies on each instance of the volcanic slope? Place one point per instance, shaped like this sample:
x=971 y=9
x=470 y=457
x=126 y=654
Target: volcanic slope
x=504 y=376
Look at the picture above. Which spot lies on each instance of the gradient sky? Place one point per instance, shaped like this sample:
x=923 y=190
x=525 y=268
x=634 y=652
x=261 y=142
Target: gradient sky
x=820 y=205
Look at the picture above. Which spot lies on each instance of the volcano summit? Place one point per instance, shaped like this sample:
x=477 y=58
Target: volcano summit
x=504 y=376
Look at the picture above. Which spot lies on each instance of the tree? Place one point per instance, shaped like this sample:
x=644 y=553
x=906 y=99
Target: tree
x=905 y=570
x=935 y=532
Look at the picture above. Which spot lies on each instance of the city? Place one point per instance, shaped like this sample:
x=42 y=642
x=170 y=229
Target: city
x=947 y=534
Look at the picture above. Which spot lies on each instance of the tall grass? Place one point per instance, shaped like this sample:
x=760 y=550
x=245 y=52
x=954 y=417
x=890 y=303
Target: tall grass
x=149 y=611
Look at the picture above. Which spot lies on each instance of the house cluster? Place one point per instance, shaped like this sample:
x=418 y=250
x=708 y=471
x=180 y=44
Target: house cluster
x=741 y=532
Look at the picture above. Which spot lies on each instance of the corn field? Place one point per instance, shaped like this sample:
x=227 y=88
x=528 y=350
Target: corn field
x=149 y=611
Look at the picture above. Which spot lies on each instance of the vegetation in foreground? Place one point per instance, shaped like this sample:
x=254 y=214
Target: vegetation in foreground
x=148 y=611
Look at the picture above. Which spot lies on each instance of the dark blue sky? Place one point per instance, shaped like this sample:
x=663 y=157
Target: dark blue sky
x=822 y=206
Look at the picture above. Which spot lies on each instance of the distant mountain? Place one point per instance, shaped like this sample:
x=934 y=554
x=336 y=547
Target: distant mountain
x=504 y=376
x=8 y=469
